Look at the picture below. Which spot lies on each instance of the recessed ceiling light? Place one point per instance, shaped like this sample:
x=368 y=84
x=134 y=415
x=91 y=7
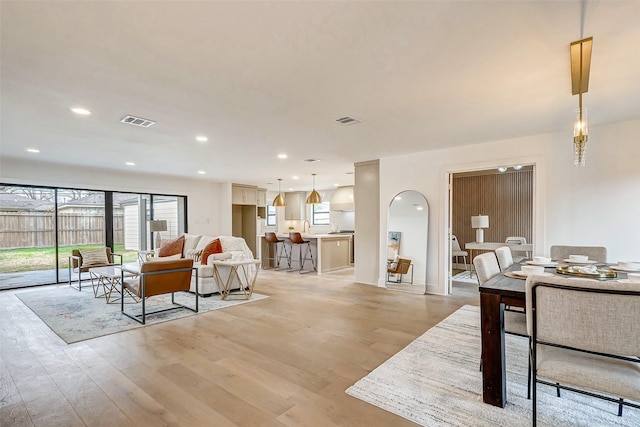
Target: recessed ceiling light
x=517 y=167
x=398 y=197
x=130 y=164
x=294 y=177
x=33 y=150
x=282 y=156
x=201 y=138
x=290 y=189
x=81 y=111
x=201 y=172
x=336 y=185
x=502 y=169
x=419 y=208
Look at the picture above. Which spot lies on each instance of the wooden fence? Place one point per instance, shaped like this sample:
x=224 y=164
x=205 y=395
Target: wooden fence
x=37 y=229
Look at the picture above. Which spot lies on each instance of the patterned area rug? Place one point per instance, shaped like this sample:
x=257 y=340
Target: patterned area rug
x=435 y=381
x=76 y=316
x=465 y=277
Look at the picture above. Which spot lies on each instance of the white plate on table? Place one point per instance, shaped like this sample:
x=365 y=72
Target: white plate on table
x=524 y=275
x=543 y=264
x=568 y=261
x=618 y=268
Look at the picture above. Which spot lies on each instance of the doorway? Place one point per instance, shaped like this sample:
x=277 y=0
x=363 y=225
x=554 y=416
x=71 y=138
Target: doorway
x=504 y=198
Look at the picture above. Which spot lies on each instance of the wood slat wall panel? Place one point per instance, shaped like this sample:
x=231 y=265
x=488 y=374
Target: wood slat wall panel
x=506 y=198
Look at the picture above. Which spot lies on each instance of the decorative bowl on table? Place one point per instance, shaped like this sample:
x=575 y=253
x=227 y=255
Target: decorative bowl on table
x=578 y=258
x=532 y=269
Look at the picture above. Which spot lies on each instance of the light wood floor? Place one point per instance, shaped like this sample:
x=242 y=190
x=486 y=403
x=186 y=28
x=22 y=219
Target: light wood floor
x=283 y=361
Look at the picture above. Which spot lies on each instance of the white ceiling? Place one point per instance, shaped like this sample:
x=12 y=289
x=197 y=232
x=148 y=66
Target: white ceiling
x=262 y=78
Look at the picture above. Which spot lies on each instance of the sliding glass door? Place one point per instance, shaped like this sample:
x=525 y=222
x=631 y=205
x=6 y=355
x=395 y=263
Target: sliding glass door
x=27 y=236
x=40 y=226
x=81 y=223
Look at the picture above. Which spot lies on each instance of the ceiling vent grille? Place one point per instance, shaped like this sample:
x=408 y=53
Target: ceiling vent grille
x=137 y=121
x=347 y=120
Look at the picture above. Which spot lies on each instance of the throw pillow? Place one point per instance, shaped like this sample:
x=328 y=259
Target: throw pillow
x=94 y=256
x=214 y=247
x=171 y=247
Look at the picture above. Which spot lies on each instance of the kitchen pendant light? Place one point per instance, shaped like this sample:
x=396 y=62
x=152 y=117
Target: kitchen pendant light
x=314 y=197
x=279 y=201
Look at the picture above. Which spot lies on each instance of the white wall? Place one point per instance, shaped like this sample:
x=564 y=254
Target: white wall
x=594 y=205
x=207 y=213
x=369 y=224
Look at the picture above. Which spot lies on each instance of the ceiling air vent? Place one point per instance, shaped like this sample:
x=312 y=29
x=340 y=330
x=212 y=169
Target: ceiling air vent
x=347 y=120
x=137 y=121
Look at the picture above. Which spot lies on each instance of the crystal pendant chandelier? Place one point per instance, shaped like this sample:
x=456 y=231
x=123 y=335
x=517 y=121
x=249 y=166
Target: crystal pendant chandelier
x=580 y=66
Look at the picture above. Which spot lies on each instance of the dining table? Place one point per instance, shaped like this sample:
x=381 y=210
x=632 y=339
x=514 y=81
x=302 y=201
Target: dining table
x=496 y=293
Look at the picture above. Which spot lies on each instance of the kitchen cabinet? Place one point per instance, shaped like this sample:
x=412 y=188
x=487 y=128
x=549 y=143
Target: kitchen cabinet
x=243 y=195
x=261 y=197
x=296 y=205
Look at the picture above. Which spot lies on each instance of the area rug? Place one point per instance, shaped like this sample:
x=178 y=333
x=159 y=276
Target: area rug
x=465 y=277
x=76 y=316
x=435 y=381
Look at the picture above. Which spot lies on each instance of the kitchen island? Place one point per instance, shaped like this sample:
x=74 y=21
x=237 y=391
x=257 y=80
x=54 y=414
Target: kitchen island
x=330 y=252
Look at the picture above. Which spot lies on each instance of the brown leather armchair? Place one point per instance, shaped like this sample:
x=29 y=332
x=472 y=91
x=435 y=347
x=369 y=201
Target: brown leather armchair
x=157 y=278
x=77 y=266
x=399 y=268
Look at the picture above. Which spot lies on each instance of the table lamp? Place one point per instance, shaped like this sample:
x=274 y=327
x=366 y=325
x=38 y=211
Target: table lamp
x=479 y=222
x=156 y=226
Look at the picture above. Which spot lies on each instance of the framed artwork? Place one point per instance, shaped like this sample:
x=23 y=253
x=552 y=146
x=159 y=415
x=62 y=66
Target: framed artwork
x=393 y=244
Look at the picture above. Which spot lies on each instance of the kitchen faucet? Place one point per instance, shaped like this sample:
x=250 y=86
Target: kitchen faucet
x=304 y=226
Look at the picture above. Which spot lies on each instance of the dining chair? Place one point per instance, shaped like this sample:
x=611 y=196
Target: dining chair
x=457 y=252
x=515 y=322
x=585 y=337
x=518 y=255
x=596 y=253
x=505 y=259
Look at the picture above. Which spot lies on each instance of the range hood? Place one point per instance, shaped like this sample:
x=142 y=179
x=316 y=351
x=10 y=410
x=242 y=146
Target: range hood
x=342 y=199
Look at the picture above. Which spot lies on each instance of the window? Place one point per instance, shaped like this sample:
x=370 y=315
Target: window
x=321 y=213
x=271 y=215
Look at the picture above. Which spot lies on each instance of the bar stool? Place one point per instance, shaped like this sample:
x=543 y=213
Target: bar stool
x=272 y=240
x=296 y=239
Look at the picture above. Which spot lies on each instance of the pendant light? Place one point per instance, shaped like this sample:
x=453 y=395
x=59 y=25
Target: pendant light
x=580 y=69
x=314 y=197
x=279 y=201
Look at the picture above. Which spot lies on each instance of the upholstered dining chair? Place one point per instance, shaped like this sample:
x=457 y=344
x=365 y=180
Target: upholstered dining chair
x=157 y=278
x=505 y=259
x=585 y=337
x=515 y=322
x=596 y=253
x=457 y=252
x=516 y=254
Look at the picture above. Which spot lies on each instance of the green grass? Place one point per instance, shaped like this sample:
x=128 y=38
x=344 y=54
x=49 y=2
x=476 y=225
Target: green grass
x=32 y=259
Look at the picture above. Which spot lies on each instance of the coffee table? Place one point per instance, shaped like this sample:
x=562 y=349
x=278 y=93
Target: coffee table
x=109 y=279
x=238 y=270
